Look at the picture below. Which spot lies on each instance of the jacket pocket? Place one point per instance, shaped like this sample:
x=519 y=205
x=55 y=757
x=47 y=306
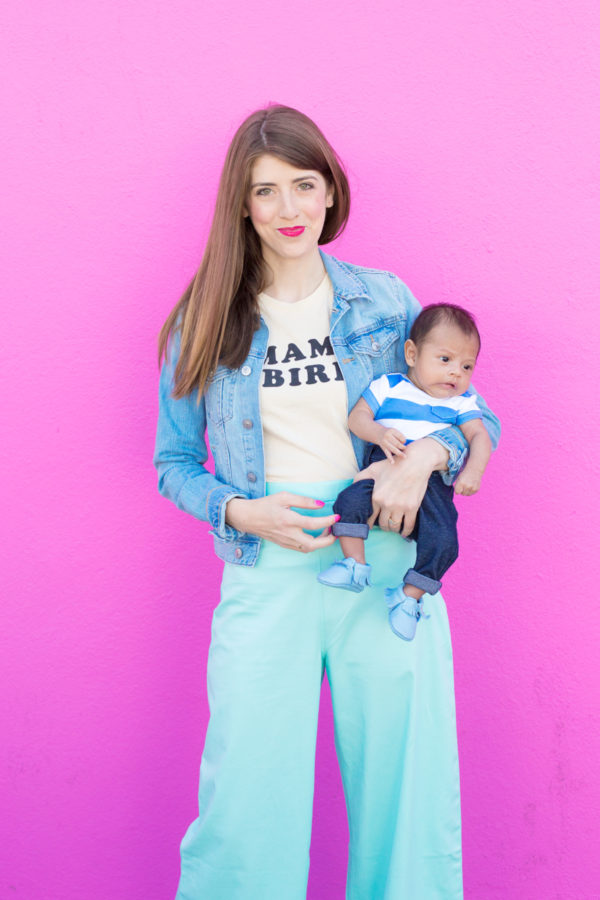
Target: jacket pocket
x=219 y=396
x=376 y=338
x=376 y=345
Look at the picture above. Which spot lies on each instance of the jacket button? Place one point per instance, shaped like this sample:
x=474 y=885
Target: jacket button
x=247 y=423
x=251 y=477
x=238 y=552
x=375 y=345
x=246 y=370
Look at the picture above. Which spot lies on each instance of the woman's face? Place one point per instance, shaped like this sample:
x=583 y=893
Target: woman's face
x=287 y=207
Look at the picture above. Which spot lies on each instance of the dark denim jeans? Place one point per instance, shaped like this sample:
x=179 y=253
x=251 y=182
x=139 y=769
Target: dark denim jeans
x=434 y=531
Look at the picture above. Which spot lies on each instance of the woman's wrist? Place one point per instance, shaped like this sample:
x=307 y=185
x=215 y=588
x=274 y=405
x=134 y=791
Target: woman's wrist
x=431 y=452
x=236 y=513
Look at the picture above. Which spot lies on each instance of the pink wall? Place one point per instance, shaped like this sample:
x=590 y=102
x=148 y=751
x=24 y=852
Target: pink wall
x=470 y=133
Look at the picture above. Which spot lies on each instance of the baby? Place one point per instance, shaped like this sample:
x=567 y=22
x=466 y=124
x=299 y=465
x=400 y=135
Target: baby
x=441 y=354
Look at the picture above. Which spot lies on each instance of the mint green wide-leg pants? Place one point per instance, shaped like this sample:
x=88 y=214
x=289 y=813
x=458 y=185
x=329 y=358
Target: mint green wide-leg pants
x=275 y=633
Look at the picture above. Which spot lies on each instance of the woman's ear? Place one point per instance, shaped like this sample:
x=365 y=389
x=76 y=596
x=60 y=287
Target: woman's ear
x=410 y=353
x=330 y=198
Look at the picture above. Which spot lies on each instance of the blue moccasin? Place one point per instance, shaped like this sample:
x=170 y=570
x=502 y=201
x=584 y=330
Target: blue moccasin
x=404 y=613
x=347 y=574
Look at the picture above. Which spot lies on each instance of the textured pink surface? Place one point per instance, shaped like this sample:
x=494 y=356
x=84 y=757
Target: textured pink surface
x=470 y=134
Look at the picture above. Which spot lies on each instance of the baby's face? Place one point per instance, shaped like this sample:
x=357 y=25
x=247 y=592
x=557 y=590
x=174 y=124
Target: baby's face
x=443 y=364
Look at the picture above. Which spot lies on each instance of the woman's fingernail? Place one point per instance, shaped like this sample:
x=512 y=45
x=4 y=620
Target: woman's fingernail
x=337 y=518
x=319 y=503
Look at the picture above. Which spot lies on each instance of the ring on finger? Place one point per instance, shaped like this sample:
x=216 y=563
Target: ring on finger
x=393 y=523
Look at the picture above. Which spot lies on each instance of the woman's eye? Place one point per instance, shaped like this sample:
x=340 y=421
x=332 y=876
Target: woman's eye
x=262 y=192
x=306 y=186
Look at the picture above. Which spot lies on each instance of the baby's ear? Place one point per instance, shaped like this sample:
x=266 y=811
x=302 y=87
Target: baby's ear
x=410 y=352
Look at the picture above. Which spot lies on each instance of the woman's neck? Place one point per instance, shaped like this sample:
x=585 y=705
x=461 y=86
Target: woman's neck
x=290 y=280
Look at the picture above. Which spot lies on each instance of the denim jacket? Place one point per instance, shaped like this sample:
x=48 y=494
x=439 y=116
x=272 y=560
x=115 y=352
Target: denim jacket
x=371 y=318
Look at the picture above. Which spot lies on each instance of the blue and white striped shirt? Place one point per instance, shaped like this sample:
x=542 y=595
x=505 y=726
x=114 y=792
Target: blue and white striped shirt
x=397 y=403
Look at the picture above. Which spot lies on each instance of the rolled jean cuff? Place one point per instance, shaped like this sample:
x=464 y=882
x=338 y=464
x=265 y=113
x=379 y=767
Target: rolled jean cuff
x=350 y=529
x=429 y=585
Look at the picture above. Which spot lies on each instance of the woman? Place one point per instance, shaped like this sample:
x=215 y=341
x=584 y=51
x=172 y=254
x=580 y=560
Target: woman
x=267 y=350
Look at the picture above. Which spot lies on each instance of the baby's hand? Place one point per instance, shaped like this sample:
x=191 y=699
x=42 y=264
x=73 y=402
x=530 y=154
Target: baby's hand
x=392 y=443
x=467 y=483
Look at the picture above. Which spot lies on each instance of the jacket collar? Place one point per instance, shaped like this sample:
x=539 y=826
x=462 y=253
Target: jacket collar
x=346 y=283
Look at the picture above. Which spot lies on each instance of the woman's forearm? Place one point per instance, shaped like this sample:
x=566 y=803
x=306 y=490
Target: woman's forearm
x=435 y=456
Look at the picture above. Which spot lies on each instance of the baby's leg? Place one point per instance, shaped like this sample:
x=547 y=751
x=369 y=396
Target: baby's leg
x=411 y=591
x=437 y=540
x=353 y=547
x=353 y=505
x=437 y=548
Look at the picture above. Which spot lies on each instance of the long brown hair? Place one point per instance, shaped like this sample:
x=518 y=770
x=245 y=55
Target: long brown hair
x=218 y=313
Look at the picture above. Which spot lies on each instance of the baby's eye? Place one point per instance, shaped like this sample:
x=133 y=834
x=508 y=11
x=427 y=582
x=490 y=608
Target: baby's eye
x=467 y=367
x=445 y=358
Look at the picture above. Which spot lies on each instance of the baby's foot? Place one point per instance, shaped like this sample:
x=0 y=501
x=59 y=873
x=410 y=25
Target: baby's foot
x=347 y=574
x=404 y=613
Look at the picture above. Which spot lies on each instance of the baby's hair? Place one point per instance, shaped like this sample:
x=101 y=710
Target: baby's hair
x=443 y=314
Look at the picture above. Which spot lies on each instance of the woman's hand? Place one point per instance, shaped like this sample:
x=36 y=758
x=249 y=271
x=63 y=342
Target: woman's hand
x=272 y=518
x=399 y=488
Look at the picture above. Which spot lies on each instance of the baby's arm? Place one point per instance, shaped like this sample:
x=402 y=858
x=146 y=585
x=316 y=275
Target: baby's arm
x=363 y=425
x=469 y=480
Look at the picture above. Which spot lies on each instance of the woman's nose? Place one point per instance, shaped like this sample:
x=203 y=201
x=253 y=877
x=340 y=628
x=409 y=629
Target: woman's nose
x=288 y=208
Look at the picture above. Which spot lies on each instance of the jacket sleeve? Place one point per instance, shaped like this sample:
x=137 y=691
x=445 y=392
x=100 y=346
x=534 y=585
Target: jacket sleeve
x=181 y=453
x=452 y=438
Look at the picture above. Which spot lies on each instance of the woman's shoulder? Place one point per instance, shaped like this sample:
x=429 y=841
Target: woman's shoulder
x=351 y=280
x=367 y=271
x=359 y=272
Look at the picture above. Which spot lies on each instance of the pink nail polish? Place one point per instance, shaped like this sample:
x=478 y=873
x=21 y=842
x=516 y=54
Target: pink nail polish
x=337 y=518
x=319 y=503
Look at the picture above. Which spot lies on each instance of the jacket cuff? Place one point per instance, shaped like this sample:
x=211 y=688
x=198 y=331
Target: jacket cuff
x=216 y=505
x=457 y=446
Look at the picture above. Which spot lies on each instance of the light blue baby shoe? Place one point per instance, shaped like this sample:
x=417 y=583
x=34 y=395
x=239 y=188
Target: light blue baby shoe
x=405 y=612
x=347 y=574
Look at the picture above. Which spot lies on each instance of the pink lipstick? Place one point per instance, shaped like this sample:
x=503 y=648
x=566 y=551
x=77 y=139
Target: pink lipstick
x=292 y=232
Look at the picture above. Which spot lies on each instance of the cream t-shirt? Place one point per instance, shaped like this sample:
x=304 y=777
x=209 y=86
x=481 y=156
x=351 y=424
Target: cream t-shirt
x=303 y=399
